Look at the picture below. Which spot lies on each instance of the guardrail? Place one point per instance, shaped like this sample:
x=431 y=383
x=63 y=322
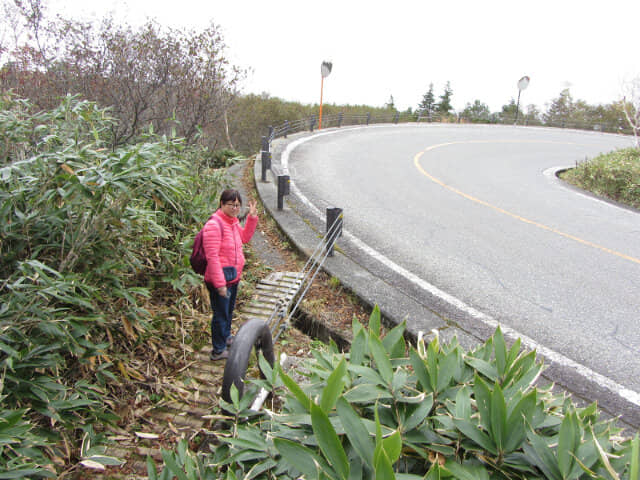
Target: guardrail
x=338 y=120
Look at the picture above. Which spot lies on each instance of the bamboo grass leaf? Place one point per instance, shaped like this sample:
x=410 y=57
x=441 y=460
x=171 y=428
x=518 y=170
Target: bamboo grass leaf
x=392 y=446
x=382 y=466
x=151 y=469
x=520 y=416
x=367 y=393
x=356 y=431
x=463 y=404
x=329 y=442
x=358 y=347
x=466 y=472
x=476 y=434
x=381 y=462
x=447 y=368
x=419 y=414
x=486 y=368
x=420 y=369
x=568 y=442
x=301 y=457
x=432 y=363
x=381 y=358
x=295 y=389
x=170 y=462
x=393 y=341
x=634 y=469
x=335 y=385
x=375 y=322
x=500 y=350
x=604 y=458
x=514 y=351
x=498 y=417
x=541 y=455
x=482 y=395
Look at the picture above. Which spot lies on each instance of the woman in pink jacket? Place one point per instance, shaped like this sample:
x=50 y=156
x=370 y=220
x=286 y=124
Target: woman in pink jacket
x=222 y=239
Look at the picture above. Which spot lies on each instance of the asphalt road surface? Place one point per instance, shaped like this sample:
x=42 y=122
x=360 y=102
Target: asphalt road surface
x=478 y=213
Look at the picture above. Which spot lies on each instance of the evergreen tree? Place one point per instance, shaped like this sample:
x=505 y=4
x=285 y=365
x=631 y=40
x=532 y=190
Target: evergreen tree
x=444 y=107
x=560 y=110
x=477 y=112
x=427 y=106
x=508 y=113
x=533 y=116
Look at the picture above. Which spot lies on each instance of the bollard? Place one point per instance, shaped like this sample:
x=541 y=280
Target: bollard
x=266 y=164
x=283 y=189
x=340 y=117
x=368 y=118
x=312 y=123
x=334 y=227
x=395 y=120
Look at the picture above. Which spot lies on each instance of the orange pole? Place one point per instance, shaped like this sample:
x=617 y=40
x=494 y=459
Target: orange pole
x=321 y=87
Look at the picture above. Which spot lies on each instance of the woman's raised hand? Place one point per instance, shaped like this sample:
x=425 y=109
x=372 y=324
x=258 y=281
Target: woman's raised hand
x=253 y=207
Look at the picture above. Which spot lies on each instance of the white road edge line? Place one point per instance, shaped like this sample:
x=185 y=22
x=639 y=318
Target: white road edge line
x=585 y=372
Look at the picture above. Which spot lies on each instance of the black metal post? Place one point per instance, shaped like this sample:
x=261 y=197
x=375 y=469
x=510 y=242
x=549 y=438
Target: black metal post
x=265 y=144
x=266 y=164
x=340 y=117
x=395 y=120
x=312 y=123
x=334 y=227
x=283 y=189
x=368 y=118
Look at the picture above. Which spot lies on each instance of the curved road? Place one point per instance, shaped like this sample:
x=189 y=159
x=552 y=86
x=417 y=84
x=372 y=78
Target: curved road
x=477 y=212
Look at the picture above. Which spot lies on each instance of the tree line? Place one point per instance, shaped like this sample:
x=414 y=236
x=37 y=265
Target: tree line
x=563 y=111
x=182 y=83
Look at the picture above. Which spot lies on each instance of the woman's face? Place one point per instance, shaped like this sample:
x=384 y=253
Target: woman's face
x=231 y=208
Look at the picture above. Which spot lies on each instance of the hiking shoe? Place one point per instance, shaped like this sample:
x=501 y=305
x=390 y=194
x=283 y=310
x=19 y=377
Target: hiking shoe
x=229 y=340
x=220 y=355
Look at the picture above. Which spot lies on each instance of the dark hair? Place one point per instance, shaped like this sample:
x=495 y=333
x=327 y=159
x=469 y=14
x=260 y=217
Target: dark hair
x=230 y=195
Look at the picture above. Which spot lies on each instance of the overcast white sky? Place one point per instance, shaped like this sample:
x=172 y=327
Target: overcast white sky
x=379 y=49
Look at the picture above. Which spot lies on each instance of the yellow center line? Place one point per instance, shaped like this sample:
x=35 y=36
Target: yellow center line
x=416 y=161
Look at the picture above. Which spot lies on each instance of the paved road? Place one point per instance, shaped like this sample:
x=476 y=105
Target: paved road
x=477 y=214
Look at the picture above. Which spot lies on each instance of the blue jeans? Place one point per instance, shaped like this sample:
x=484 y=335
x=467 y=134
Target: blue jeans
x=222 y=314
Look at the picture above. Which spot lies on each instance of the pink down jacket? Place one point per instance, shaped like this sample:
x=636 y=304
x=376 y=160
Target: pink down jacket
x=228 y=252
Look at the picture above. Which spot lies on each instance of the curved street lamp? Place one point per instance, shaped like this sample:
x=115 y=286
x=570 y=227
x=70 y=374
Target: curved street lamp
x=522 y=84
x=325 y=70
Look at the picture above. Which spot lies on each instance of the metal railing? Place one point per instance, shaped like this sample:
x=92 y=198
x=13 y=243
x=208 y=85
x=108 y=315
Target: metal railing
x=338 y=120
x=314 y=264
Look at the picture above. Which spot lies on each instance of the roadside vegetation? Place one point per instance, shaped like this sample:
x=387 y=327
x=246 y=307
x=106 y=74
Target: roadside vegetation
x=615 y=175
x=388 y=410
x=91 y=238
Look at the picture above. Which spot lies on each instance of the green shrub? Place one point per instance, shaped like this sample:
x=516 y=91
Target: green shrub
x=87 y=234
x=439 y=412
x=615 y=175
